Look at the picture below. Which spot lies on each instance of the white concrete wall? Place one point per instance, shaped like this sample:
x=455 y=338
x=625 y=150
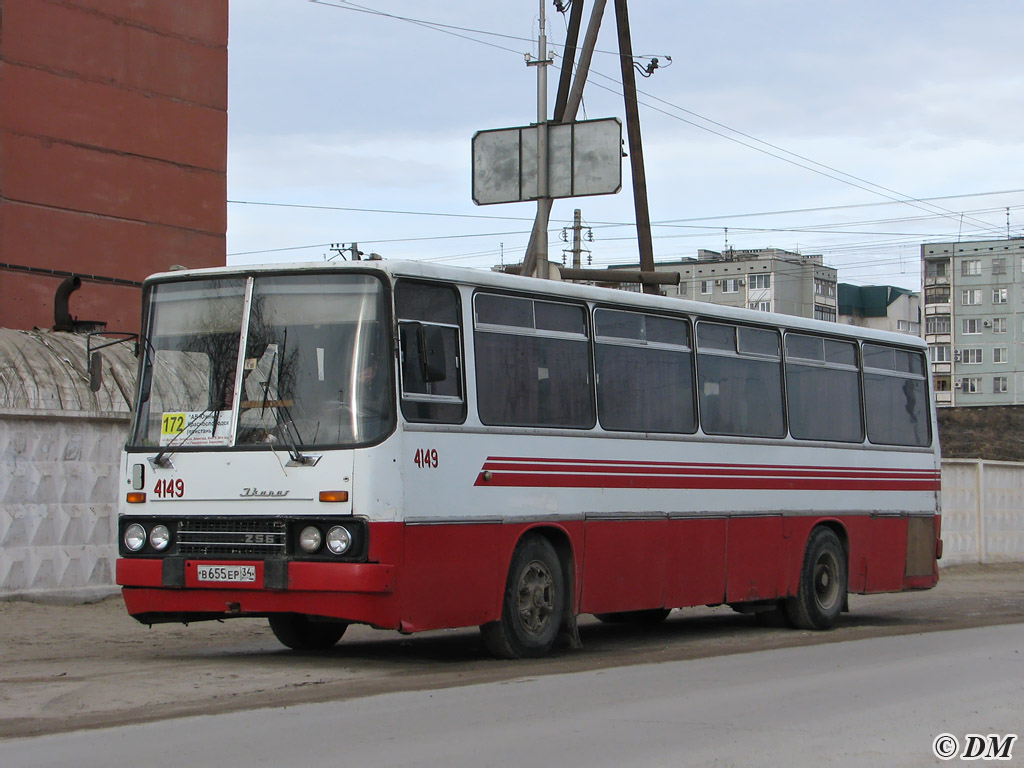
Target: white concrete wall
x=58 y=516
x=982 y=511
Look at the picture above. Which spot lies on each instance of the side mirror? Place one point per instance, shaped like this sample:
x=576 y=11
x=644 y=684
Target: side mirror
x=432 y=358
x=147 y=382
x=95 y=372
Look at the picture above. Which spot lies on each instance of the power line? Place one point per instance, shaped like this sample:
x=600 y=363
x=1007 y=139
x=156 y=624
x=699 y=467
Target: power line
x=829 y=171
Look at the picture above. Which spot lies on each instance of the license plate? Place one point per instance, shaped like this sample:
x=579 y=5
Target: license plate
x=236 y=573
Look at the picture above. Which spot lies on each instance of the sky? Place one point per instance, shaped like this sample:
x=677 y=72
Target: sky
x=854 y=130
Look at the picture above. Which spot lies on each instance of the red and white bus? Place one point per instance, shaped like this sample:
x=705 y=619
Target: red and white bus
x=417 y=447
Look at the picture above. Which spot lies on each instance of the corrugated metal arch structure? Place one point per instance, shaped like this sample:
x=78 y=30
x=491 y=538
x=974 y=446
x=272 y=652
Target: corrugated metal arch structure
x=48 y=371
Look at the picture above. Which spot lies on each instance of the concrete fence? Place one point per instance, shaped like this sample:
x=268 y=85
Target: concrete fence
x=982 y=511
x=59 y=482
x=58 y=515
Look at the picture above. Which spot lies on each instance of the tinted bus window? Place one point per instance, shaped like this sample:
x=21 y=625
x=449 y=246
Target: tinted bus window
x=739 y=384
x=644 y=372
x=430 y=343
x=896 y=396
x=823 y=389
x=532 y=363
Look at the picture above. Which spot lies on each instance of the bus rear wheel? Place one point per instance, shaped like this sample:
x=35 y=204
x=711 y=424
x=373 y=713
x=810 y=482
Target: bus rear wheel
x=823 y=582
x=300 y=633
x=533 y=605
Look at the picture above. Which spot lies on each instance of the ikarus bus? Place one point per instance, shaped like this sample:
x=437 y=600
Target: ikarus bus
x=415 y=447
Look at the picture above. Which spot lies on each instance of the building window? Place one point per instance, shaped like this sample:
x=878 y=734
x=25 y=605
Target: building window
x=935 y=268
x=706 y=286
x=907 y=326
x=998 y=385
x=971 y=296
x=970 y=267
x=763 y=306
x=998 y=266
x=824 y=313
x=730 y=286
x=971 y=385
x=761 y=281
x=935 y=324
x=936 y=294
x=970 y=325
x=1000 y=295
x=939 y=353
x=972 y=356
x=998 y=325
x=824 y=288
x=1000 y=355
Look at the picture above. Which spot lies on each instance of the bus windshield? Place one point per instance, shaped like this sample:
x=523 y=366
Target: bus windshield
x=315 y=368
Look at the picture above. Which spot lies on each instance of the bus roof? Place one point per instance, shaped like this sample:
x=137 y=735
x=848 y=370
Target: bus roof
x=555 y=289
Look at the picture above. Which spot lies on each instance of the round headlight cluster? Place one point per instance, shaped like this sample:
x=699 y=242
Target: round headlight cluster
x=136 y=536
x=338 y=540
x=310 y=539
x=159 y=537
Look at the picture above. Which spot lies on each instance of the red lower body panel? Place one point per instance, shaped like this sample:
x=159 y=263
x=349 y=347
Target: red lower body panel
x=432 y=576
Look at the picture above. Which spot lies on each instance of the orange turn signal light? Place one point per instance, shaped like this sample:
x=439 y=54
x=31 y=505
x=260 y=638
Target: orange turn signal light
x=333 y=495
x=135 y=497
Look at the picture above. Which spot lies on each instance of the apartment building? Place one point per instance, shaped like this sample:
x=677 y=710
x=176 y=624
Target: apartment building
x=973 y=323
x=882 y=307
x=767 y=279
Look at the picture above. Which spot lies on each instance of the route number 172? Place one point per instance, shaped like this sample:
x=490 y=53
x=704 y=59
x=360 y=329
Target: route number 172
x=426 y=458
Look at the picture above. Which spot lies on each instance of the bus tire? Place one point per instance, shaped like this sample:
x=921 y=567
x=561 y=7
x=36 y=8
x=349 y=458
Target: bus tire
x=300 y=633
x=823 y=582
x=533 y=604
x=650 y=616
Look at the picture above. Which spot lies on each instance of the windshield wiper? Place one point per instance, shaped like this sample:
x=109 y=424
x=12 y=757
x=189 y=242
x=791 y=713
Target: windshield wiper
x=285 y=427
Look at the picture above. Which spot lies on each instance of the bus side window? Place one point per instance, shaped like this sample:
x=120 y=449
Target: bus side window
x=430 y=340
x=644 y=372
x=532 y=362
x=896 y=396
x=739 y=380
x=823 y=389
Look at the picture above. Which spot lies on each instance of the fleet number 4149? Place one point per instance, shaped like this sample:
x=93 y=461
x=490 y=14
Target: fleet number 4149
x=426 y=458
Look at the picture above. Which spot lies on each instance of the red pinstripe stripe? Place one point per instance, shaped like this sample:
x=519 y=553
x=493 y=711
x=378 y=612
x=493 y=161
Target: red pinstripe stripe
x=597 y=473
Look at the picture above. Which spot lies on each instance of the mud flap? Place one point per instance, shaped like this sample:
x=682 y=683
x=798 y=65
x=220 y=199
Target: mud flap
x=569 y=633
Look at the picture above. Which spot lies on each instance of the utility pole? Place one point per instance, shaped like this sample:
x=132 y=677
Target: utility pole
x=566 y=113
x=539 y=238
x=636 y=151
x=577 y=240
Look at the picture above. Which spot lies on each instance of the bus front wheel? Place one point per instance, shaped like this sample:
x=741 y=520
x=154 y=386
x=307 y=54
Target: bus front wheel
x=300 y=633
x=823 y=582
x=533 y=605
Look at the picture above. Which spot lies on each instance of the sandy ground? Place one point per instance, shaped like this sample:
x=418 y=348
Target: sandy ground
x=66 y=667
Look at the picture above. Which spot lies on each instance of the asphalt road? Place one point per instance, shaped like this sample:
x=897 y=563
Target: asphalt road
x=873 y=701
x=64 y=668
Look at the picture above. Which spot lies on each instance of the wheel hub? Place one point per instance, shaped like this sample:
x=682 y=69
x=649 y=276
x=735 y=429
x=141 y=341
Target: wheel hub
x=536 y=597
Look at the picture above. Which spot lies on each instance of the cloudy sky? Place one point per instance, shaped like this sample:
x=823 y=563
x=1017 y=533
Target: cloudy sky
x=856 y=130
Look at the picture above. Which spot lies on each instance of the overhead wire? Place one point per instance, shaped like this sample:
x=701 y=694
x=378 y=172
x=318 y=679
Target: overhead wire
x=858 y=182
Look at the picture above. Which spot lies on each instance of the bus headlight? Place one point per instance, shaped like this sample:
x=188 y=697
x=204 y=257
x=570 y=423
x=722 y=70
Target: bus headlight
x=134 y=537
x=310 y=539
x=159 y=537
x=339 y=539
